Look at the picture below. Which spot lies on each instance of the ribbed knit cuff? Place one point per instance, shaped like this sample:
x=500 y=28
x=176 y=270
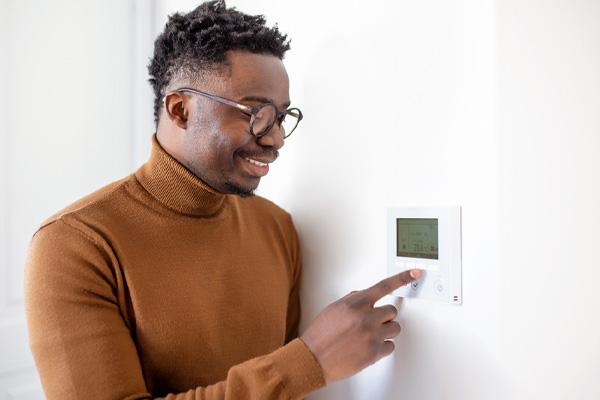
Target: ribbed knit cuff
x=300 y=372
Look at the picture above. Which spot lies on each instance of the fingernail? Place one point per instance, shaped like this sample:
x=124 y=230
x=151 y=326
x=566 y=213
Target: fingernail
x=415 y=273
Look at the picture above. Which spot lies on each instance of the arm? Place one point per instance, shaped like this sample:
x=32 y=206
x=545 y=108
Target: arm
x=81 y=334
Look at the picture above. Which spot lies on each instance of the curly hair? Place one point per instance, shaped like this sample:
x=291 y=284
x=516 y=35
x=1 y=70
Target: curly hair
x=198 y=41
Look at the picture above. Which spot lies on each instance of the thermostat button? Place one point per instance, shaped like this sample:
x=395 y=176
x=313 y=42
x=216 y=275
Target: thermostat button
x=410 y=265
x=439 y=287
x=432 y=267
x=414 y=285
x=400 y=265
x=422 y=266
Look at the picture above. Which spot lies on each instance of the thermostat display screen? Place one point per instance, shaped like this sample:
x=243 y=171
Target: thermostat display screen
x=417 y=238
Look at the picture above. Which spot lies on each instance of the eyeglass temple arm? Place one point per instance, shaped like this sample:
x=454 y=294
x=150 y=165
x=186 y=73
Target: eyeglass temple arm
x=242 y=107
x=295 y=112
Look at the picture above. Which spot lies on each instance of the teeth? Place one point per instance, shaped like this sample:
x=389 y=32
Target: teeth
x=260 y=164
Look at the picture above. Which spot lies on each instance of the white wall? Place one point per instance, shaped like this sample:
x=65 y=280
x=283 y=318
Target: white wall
x=548 y=139
x=490 y=105
x=400 y=104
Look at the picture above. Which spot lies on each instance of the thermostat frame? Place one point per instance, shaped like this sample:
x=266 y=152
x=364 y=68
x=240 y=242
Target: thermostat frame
x=441 y=265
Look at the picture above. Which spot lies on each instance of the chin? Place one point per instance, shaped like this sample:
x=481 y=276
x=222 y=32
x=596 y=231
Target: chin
x=239 y=191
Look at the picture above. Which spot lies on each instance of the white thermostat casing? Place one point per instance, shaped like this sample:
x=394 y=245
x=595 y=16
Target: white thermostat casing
x=427 y=238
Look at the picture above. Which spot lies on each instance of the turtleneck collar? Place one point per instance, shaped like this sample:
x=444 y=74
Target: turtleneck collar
x=176 y=187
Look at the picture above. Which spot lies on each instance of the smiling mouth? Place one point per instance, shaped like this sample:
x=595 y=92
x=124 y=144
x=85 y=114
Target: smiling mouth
x=256 y=168
x=255 y=162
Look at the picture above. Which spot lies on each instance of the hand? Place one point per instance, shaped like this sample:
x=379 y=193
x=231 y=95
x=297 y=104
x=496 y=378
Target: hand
x=351 y=334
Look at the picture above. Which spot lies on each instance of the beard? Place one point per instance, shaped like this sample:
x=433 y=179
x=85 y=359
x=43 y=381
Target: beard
x=238 y=191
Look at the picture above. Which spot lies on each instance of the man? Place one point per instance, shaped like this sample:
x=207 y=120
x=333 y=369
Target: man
x=176 y=281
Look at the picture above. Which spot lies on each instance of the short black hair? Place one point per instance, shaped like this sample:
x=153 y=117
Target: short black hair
x=198 y=41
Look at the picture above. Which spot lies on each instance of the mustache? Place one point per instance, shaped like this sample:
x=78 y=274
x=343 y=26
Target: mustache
x=265 y=154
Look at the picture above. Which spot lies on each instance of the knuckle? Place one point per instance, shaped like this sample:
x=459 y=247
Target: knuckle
x=349 y=294
x=346 y=305
x=396 y=328
x=384 y=286
x=390 y=347
x=391 y=312
x=355 y=302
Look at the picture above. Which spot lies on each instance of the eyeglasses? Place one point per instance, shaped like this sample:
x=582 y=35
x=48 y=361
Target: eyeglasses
x=263 y=116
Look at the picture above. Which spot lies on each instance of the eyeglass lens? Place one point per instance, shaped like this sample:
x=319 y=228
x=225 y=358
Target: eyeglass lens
x=266 y=116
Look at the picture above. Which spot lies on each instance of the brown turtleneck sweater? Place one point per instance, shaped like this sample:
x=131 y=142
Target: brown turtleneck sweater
x=158 y=286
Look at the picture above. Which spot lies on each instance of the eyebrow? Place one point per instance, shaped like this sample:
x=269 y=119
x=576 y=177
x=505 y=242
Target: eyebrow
x=263 y=100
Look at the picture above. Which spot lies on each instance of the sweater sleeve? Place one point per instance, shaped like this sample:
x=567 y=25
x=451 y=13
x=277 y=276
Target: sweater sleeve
x=294 y=311
x=81 y=337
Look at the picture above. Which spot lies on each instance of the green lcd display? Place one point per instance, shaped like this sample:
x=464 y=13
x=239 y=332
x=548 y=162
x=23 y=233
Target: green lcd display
x=417 y=238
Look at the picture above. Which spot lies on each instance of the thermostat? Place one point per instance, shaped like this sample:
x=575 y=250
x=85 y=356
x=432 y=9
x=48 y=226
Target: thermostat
x=427 y=238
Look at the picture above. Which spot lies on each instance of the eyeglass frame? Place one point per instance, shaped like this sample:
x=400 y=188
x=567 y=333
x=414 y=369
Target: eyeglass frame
x=253 y=111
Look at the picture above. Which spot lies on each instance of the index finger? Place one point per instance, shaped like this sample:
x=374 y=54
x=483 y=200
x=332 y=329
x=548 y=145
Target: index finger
x=390 y=284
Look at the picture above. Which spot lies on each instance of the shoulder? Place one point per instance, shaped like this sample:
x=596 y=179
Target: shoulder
x=80 y=234
x=107 y=198
x=265 y=216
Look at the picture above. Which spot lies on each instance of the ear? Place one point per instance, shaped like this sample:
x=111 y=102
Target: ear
x=176 y=108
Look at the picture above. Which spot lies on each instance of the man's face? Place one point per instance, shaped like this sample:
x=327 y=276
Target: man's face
x=218 y=146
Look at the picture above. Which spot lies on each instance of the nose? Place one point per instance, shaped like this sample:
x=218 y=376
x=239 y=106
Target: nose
x=273 y=138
